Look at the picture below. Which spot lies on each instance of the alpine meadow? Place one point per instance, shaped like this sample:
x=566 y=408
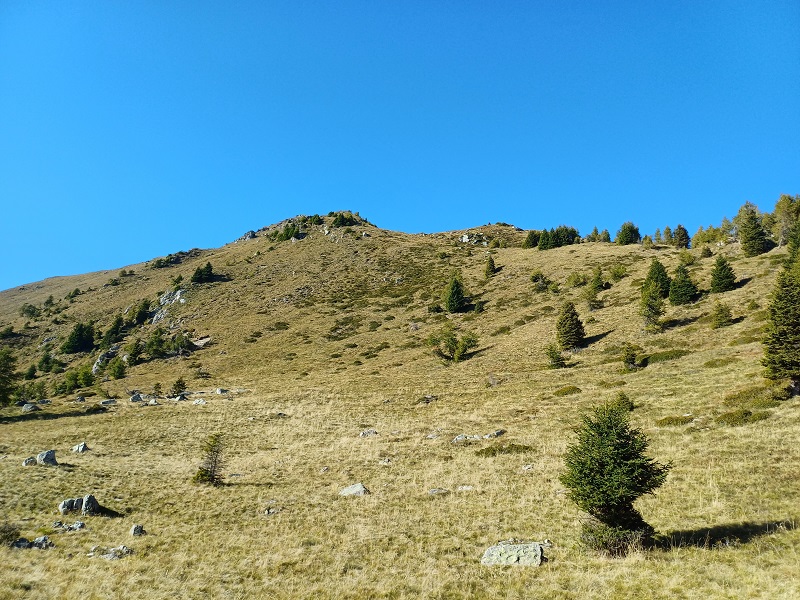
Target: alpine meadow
x=626 y=402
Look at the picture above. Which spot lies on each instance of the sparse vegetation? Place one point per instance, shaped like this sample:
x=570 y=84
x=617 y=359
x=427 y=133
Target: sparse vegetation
x=210 y=470
x=449 y=345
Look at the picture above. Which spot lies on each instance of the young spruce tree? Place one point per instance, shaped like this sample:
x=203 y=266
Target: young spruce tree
x=657 y=274
x=723 y=279
x=782 y=340
x=569 y=328
x=682 y=289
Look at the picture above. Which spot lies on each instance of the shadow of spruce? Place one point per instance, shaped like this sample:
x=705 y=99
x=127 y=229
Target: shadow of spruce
x=721 y=536
x=46 y=416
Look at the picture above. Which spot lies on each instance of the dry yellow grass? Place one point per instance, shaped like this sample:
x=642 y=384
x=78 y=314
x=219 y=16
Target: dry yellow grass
x=732 y=483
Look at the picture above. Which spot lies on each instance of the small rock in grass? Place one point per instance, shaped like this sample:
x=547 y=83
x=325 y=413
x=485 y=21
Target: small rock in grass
x=357 y=489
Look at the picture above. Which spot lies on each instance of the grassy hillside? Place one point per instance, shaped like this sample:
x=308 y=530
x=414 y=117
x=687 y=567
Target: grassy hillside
x=320 y=338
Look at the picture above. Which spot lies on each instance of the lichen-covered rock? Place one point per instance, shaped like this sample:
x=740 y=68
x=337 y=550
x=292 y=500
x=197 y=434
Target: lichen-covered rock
x=357 y=489
x=116 y=553
x=47 y=458
x=523 y=554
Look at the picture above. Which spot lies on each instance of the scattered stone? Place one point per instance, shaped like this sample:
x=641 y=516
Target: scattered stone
x=70 y=505
x=21 y=543
x=464 y=488
x=28 y=408
x=77 y=525
x=47 y=458
x=427 y=399
x=42 y=543
x=324 y=469
x=386 y=461
x=90 y=505
x=45 y=401
x=116 y=553
x=108 y=402
x=80 y=399
x=136 y=398
x=368 y=433
x=527 y=468
x=495 y=434
x=180 y=397
x=20 y=403
x=250 y=235
x=432 y=436
x=153 y=402
x=81 y=448
x=138 y=530
x=512 y=552
x=438 y=492
x=199 y=402
x=463 y=437
x=221 y=391
x=272 y=510
x=357 y=489
x=29 y=462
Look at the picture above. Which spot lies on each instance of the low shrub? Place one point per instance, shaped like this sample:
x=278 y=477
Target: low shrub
x=720 y=362
x=674 y=420
x=9 y=533
x=611 y=384
x=611 y=541
x=741 y=416
x=622 y=402
x=666 y=355
x=567 y=390
x=510 y=448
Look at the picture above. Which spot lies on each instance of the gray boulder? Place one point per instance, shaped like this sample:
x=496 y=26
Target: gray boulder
x=513 y=553
x=90 y=505
x=368 y=433
x=70 y=505
x=495 y=434
x=47 y=458
x=116 y=553
x=108 y=402
x=462 y=438
x=136 y=398
x=29 y=462
x=138 y=530
x=357 y=489
x=28 y=408
x=80 y=448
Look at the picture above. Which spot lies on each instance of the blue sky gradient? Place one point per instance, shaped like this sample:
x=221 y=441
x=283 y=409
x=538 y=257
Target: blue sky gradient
x=129 y=130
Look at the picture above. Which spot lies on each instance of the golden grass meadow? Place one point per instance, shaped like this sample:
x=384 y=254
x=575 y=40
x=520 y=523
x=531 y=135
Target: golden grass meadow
x=321 y=338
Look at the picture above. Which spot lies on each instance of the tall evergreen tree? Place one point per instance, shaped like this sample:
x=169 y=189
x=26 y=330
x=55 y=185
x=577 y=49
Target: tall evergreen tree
x=606 y=471
x=531 y=240
x=668 y=235
x=682 y=289
x=545 y=243
x=628 y=234
x=658 y=274
x=751 y=233
x=81 y=339
x=8 y=362
x=782 y=339
x=604 y=236
x=569 y=328
x=651 y=307
x=680 y=237
x=490 y=268
x=453 y=298
x=723 y=279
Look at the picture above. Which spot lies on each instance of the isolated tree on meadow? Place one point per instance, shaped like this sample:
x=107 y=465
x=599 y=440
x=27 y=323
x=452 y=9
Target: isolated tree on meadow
x=453 y=297
x=606 y=471
x=651 y=307
x=723 y=279
x=782 y=338
x=210 y=470
x=569 y=328
x=490 y=269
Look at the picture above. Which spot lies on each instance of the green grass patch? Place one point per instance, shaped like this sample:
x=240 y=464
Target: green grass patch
x=611 y=384
x=567 y=390
x=741 y=416
x=674 y=420
x=510 y=448
x=505 y=329
x=720 y=362
x=666 y=355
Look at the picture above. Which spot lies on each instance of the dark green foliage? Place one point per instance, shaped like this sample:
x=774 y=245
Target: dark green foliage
x=81 y=339
x=680 y=237
x=7 y=333
x=30 y=373
x=651 y=307
x=628 y=234
x=782 y=339
x=594 y=236
x=344 y=219
x=156 y=344
x=555 y=360
x=567 y=390
x=29 y=311
x=31 y=392
x=558 y=237
x=490 y=269
x=604 y=236
x=447 y=344
x=666 y=355
x=531 y=240
x=139 y=313
x=750 y=231
x=721 y=315
x=622 y=402
x=741 y=416
x=657 y=274
x=289 y=231
x=607 y=469
x=593 y=289
x=315 y=220
x=541 y=282
x=116 y=368
x=178 y=387
x=114 y=334
x=618 y=272
x=668 y=239
x=682 y=289
x=706 y=252
x=134 y=351
x=545 y=241
x=8 y=364
x=48 y=364
x=453 y=297
x=75 y=379
x=501 y=449
x=203 y=274
x=629 y=357
x=210 y=470
x=723 y=278
x=569 y=328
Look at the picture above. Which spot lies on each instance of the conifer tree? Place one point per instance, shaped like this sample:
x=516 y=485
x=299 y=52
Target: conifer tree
x=782 y=339
x=569 y=328
x=657 y=236
x=8 y=363
x=682 y=289
x=721 y=315
x=751 y=233
x=668 y=235
x=605 y=236
x=723 y=278
x=651 y=307
x=531 y=240
x=658 y=274
x=490 y=267
x=545 y=241
x=628 y=234
x=81 y=339
x=453 y=298
x=606 y=471
x=593 y=289
x=210 y=470
x=680 y=237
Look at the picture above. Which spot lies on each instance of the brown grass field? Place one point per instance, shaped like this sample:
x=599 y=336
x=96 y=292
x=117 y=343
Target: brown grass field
x=320 y=339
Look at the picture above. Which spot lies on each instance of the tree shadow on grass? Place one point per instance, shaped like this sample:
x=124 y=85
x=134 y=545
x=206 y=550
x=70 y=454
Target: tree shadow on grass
x=742 y=282
x=721 y=536
x=46 y=416
x=589 y=340
x=670 y=323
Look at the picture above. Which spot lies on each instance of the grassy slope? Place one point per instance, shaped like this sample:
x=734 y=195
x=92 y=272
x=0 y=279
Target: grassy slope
x=373 y=293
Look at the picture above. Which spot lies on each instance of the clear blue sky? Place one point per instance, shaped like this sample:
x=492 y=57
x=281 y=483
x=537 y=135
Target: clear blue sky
x=129 y=130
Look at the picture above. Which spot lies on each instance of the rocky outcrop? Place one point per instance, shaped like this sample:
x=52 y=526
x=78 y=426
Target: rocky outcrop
x=514 y=553
x=47 y=458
